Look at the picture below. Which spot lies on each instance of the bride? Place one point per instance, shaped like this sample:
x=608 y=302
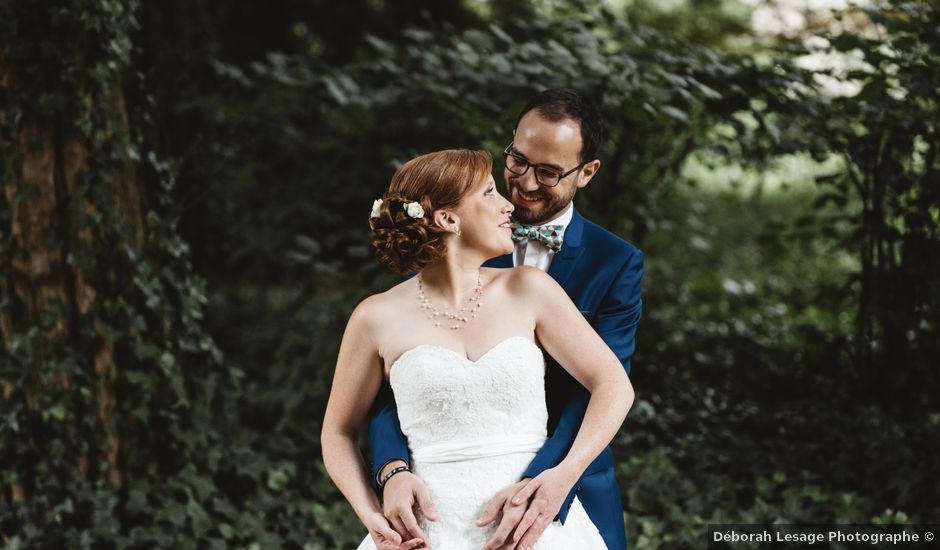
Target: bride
x=461 y=346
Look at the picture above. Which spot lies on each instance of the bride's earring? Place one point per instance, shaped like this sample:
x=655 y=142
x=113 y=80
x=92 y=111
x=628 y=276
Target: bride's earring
x=457 y=232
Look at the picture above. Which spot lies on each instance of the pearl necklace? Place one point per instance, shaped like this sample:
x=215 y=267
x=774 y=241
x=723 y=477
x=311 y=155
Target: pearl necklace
x=460 y=318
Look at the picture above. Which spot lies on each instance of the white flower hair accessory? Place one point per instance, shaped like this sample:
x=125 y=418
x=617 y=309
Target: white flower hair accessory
x=376 y=208
x=414 y=210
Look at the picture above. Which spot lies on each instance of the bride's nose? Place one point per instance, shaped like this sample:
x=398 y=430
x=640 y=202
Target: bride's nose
x=508 y=207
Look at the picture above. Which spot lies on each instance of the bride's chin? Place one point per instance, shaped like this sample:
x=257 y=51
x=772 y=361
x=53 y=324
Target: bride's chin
x=498 y=251
x=502 y=247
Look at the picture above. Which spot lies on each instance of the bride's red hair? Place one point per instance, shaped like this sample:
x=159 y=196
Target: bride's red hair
x=435 y=180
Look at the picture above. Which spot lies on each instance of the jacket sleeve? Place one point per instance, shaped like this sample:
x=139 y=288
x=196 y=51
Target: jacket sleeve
x=386 y=440
x=615 y=321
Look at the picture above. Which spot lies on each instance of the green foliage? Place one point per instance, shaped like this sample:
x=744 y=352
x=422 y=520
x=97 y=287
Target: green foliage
x=888 y=135
x=135 y=368
x=758 y=398
x=461 y=89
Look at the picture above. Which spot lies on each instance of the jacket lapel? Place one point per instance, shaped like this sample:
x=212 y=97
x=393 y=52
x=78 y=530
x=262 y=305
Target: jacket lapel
x=564 y=262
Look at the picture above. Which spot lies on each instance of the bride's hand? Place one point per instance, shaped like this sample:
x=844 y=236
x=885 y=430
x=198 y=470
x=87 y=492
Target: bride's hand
x=402 y=493
x=501 y=505
x=547 y=492
x=385 y=538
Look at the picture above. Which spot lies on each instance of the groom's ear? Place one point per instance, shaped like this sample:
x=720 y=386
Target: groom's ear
x=588 y=172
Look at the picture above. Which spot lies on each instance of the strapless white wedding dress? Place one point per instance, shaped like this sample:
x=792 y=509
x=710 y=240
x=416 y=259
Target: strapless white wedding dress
x=473 y=427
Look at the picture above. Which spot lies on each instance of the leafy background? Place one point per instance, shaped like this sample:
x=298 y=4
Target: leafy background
x=182 y=233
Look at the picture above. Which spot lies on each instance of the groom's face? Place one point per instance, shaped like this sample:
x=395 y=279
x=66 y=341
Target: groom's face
x=556 y=145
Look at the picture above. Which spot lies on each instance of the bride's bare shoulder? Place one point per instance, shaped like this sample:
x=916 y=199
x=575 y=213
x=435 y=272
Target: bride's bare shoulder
x=522 y=282
x=526 y=277
x=380 y=305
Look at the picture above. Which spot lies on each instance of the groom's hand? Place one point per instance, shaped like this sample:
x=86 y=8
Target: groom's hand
x=512 y=514
x=402 y=493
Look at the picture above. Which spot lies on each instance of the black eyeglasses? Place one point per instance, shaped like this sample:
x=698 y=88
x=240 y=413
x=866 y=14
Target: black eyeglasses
x=544 y=175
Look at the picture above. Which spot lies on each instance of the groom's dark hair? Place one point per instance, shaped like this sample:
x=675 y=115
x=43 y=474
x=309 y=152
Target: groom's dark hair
x=559 y=104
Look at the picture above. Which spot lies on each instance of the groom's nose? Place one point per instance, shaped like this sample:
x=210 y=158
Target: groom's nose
x=528 y=182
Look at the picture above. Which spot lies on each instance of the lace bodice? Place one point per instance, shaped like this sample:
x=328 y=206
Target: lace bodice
x=453 y=408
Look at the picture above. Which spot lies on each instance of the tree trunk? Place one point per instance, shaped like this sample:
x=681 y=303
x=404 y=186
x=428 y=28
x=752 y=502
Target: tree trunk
x=53 y=280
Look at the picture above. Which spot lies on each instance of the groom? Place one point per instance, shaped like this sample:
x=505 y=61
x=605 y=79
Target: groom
x=552 y=155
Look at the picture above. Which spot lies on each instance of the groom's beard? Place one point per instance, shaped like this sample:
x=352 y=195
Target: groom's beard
x=548 y=208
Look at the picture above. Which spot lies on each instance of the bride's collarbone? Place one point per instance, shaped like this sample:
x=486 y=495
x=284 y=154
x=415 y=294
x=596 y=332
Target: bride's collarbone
x=408 y=325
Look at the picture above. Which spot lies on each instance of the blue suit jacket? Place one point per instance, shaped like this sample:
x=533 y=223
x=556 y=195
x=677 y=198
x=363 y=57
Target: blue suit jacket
x=602 y=275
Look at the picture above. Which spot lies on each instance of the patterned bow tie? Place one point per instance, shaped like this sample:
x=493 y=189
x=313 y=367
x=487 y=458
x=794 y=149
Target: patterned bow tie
x=549 y=235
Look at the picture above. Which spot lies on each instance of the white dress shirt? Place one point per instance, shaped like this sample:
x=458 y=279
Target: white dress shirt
x=534 y=253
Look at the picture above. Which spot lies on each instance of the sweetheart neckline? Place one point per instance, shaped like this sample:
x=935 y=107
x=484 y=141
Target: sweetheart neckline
x=461 y=355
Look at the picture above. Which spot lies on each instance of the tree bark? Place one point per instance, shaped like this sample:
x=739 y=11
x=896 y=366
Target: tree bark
x=47 y=191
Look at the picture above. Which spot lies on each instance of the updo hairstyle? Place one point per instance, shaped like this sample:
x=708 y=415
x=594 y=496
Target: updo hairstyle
x=435 y=180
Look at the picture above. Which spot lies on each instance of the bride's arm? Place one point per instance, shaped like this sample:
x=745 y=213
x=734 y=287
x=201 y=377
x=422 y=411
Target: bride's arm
x=615 y=321
x=567 y=336
x=356 y=382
